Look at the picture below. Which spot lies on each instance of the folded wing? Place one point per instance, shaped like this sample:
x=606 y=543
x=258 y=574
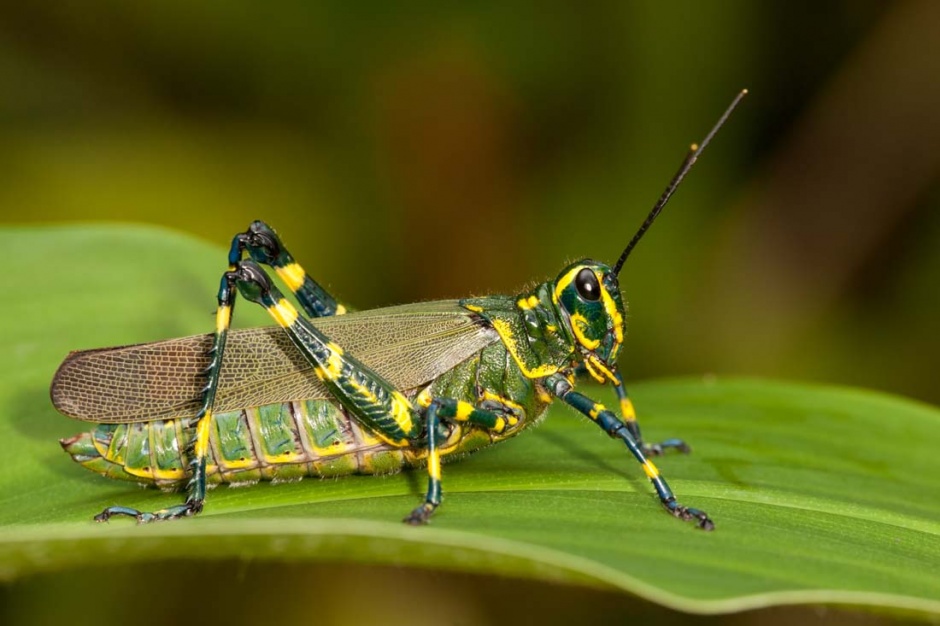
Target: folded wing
x=409 y=345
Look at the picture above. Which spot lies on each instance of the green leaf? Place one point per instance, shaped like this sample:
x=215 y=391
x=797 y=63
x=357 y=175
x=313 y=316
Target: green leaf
x=819 y=494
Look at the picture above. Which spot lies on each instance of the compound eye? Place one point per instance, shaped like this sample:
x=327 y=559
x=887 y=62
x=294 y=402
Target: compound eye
x=587 y=285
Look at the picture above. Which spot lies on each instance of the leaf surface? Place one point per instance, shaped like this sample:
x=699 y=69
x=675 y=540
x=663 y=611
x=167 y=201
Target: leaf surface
x=819 y=494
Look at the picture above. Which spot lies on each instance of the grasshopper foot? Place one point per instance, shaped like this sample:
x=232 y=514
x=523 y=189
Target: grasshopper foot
x=689 y=514
x=658 y=449
x=181 y=510
x=420 y=515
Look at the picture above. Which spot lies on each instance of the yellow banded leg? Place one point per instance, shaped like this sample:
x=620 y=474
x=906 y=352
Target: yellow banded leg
x=199 y=446
x=607 y=421
x=629 y=417
x=432 y=499
x=438 y=410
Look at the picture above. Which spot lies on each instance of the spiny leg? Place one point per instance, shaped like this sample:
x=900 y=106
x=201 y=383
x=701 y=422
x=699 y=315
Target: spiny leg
x=604 y=418
x=630 y=421
x=265 y=247
x=262 y=244
x=198 y=448
x=448 y=409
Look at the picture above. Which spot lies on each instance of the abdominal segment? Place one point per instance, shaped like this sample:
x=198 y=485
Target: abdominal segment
x=277 y=442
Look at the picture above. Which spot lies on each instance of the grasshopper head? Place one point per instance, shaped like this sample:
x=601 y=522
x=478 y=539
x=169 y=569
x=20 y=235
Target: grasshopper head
x=587 y=294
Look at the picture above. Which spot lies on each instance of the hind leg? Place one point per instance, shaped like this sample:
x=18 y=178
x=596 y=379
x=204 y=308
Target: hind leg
x=372 y=400
x=263 y=245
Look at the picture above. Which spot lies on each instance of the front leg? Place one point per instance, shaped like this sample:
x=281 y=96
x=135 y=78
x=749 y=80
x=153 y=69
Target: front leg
x=562 y=388
x=604 y=375
x=630 y=421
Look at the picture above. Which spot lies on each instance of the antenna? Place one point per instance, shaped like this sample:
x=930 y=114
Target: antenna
x=687 y=164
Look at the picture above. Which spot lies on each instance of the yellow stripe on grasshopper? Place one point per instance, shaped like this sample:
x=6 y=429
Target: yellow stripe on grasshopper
x=434 y=465
x=284 y=313
x=515 y=406
x=401 y=412
x=223 y=318
x=489 y=395
x=563 y=283
x=167 y=474
x=511 y=343
x=650 y=469
x=362 y=390
x=333 y=368
x=596 y=410
x=578 y=323
x=589 y=365
x=527 y=304
x=293 y=276
x=464 y=409
x=202 y=435
x=610 y=307
x=627 y=410
x=599 y=365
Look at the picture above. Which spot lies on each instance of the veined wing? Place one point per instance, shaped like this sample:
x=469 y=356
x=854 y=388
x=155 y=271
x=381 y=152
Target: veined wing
x=408 y=345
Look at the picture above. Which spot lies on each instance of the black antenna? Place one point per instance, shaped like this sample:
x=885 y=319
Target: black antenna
x=687 y=164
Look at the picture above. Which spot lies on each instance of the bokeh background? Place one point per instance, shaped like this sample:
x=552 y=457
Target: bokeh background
x=436 y=150
x=432 y=151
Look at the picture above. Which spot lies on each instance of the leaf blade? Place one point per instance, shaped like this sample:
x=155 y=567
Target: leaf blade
x=820 y=494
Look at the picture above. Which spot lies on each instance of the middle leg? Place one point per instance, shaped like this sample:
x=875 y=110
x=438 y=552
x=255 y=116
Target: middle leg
x=437 y=411
x=628 y=413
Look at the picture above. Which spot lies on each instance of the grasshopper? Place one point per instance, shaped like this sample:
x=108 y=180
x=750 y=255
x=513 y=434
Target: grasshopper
x=337 y=393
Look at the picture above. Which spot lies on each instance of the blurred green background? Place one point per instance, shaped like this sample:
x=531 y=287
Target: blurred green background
x=421 y=151
x=429 y=151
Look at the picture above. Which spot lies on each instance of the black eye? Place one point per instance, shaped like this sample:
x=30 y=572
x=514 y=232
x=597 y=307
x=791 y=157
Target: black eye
x=586 y=283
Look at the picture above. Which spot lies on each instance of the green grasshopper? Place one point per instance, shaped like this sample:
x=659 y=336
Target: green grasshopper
x=344 y=393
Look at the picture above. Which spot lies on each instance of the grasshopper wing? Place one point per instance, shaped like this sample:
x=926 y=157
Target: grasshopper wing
x=408 y=345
